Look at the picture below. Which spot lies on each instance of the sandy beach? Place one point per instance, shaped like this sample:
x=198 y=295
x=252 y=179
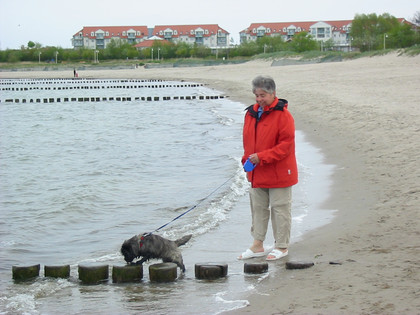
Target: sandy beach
x=364 y=114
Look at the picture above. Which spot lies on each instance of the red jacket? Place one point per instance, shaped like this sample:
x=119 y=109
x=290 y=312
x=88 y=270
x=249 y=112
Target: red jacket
x=272 y=137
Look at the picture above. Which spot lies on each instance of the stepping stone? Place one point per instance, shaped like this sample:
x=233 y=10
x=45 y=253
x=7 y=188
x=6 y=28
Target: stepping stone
x=299 y=264
x=22 y=273
x=255 y=267
x=127 y=273
x=163 y=272
x=57 y=271
x=210 y=271
x=93 y=274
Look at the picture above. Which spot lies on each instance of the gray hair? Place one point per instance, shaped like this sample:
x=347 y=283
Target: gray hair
x=264 y=83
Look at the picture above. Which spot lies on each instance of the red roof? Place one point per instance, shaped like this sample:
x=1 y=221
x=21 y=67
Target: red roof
x=149 y=43
x=188 y=30
x=113 y=31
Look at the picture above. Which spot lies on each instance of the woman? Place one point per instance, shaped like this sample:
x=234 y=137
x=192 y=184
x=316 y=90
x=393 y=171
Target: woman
x=269 y=144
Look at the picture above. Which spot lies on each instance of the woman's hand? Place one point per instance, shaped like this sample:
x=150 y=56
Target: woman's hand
x=254 y=158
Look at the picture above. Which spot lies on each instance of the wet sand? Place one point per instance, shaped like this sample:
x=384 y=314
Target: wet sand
x=364 y=115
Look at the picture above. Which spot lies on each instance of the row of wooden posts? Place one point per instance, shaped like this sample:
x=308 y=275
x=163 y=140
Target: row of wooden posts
x=99 y=273
x=75 y=80
x=94 y=87
x=111 y=99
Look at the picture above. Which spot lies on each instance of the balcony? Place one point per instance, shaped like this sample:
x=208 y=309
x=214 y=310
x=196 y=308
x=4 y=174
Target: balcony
x=78 y=42
x=260 y=33
x=100 y=43
x=221 y=41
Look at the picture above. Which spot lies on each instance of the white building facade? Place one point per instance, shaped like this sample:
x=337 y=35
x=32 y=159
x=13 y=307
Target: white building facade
x=99 y=37
x=337 y=32
x=208 y=35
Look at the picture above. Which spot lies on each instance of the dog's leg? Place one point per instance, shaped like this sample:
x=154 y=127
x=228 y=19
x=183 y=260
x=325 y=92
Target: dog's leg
x=180 y=263
x=141 y=261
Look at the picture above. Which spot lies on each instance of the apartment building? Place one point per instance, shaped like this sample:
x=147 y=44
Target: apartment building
x=209 y=35
x=337 y=31
x=98 y=37
x=213 y=36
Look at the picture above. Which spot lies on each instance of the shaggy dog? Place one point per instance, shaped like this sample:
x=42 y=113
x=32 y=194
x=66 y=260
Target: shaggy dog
x=150 y=246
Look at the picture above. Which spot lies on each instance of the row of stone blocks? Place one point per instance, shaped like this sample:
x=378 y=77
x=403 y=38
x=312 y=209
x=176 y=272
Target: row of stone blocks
x=119 y=99
x=163 y=272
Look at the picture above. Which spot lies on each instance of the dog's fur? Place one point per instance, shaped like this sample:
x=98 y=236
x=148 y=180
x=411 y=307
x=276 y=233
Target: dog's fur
x=150 y=246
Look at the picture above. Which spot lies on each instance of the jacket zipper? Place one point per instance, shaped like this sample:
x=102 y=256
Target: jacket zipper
x=257 y=119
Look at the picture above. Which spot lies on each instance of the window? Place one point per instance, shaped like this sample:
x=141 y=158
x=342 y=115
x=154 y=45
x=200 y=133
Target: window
x=261 y=32
x=320 y=32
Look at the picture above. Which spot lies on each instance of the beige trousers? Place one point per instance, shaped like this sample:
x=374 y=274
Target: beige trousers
x=278 y=203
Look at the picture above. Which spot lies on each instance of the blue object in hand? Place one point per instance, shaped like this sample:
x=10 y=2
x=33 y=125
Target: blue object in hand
x=248 y=165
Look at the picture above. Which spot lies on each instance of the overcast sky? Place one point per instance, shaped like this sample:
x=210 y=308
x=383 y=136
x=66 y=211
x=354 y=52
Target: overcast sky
x=53 y=22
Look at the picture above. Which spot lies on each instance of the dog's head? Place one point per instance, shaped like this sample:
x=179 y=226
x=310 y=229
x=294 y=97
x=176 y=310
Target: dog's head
x=130 y=249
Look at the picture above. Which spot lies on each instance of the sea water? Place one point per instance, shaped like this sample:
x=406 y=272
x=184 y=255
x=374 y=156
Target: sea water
x=78 y=177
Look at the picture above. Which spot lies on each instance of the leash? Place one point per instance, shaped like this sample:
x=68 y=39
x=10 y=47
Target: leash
x=190 y=209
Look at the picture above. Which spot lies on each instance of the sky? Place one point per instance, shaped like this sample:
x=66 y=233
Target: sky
x=53 y=23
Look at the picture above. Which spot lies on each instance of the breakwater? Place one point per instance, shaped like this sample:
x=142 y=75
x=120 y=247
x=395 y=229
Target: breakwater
x=91 y=90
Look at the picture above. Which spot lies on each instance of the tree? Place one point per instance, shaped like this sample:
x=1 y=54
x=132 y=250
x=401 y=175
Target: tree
x=416 y=18
x=271 y=44
x=401 y=36
x=183 y=50
x=370 y=32
x=303 y=42
x=363 y=31
x=246 y=49
x=31 y=44
x=165 y=49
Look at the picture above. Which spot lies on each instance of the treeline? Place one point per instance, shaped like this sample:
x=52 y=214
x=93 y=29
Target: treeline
x=117 y=50
x=368 y=32
x=373 y=32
